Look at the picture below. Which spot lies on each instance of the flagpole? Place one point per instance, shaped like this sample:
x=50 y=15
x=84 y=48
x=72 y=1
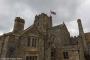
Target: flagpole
x=52 y=13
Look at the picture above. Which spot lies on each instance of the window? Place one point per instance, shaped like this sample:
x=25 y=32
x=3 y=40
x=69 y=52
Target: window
x=34 y=42
x=27 y=58
x=65 y=55
x=53 y=54
x=11 y=52
x=31 y=57
x=38 y=24
x=29 y=40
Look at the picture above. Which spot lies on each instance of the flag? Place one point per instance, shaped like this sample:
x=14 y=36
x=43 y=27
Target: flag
x=52 y=12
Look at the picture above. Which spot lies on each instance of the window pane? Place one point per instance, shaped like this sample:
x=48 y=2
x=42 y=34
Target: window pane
x=28 y=42
x=34 y=42
x=35 y=57
x=53 y=54
x=27 y=57
x=65 y=55
x=31 y=57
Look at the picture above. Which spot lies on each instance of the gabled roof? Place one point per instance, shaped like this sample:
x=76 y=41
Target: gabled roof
x=56 y=27
x=32 y=29
x=59 y=27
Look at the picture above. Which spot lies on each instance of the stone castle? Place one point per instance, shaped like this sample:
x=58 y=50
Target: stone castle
x=42 y=41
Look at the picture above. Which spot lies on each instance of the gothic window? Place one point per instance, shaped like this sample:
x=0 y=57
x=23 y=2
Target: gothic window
x=65 y=55
x=31 y=57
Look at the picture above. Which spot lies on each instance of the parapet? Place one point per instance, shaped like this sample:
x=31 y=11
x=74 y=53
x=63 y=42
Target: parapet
x=42 y=14
x=18 y=19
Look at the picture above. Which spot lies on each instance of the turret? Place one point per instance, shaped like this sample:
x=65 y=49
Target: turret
x=81 y=32
x=83 y=45
x=18 y=25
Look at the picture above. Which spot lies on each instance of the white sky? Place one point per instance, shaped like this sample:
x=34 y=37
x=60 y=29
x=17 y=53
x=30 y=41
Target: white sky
x=67 y=11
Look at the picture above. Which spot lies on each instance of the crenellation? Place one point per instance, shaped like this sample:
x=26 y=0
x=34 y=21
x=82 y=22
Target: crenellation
x=19 y=19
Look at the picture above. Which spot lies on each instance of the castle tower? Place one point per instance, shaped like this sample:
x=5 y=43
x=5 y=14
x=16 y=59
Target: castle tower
x=43 y=23
x=18 y=25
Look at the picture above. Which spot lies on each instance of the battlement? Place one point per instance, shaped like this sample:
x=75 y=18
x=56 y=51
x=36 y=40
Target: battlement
x=18 y=19
x=43 y=21
x=42 y=15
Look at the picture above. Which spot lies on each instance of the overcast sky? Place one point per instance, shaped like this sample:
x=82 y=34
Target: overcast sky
x=66 y=10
